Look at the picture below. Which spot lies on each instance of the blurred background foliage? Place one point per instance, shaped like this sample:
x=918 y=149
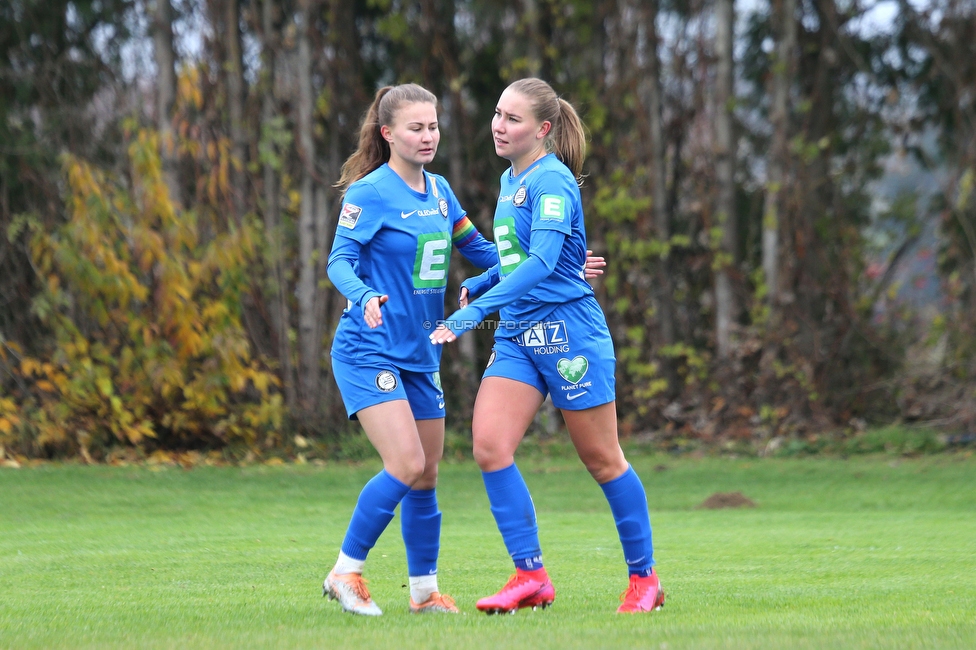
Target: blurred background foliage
x=784 y=191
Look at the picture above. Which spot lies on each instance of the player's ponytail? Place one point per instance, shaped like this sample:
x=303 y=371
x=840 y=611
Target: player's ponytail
x=373 y=150
x=566 y=138
x=569 y=139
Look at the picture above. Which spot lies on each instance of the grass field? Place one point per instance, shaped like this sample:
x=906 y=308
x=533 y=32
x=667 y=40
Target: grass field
x=860 y=553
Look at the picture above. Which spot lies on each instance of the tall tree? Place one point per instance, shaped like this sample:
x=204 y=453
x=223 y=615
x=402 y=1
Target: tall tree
x=725 y=300
x=271 y=148
x=162 y=35
x=309 y=327
x=658 y=181
x=236 y=92
x=783 y=16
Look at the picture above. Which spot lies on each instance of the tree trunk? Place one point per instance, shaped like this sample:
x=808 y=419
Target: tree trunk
x=166 y=95
x=309 y=341
x=235 y=106
x=725 y=304
x=784 y=20
x=530 y=19
x=280 y=316
x=659 y=189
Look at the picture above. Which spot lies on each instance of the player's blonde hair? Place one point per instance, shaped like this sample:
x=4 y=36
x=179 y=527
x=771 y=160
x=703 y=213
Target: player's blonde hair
x=373 y=149
x=566 y=138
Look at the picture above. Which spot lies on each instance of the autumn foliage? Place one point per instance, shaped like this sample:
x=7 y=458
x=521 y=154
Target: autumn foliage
x=144 y=315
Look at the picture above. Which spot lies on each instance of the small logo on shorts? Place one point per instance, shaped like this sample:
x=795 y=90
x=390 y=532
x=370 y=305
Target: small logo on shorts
x=386 y=381
x=519 y=197
x=491 y=359
x=572 y=371
x=436 y=376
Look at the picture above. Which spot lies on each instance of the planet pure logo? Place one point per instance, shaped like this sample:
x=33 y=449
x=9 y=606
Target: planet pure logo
x=572 y=371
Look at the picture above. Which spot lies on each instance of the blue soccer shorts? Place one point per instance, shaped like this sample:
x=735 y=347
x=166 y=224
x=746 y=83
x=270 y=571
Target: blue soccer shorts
x=569 y=355
x=369 y=385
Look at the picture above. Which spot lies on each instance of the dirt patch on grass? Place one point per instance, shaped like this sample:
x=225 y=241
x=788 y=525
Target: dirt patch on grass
x=727 y=500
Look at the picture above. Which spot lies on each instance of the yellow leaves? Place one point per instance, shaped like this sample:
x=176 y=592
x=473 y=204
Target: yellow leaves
x=29 y=366
x=8 y=417
x=183 y=291
x=171 y=355
x=104 y=385
x=294 y=201
x=261 y=380
x=190 y=342
x=189 y=91
x=966 y=184
x=215 y=312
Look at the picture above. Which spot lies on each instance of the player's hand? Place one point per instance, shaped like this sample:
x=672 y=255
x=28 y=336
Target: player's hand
x=594 y=266
x=442 y=335
x=463 y=297
x=372 y=314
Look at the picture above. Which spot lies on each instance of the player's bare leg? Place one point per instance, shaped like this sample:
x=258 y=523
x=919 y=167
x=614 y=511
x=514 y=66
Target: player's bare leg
x=503 y=412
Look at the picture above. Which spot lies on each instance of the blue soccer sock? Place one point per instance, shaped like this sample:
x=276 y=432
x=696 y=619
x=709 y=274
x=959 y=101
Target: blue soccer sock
x=511 y=504
x=373 y=513
x=628 y=503
x=420 y=522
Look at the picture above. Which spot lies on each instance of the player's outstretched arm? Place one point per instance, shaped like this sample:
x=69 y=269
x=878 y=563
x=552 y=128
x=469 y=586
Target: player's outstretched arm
x=474 y=287
x=535 y=269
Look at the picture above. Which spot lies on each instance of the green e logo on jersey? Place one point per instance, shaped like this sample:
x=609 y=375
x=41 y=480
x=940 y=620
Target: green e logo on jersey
x=433 y=256
x=510 y=253
x=553 y=207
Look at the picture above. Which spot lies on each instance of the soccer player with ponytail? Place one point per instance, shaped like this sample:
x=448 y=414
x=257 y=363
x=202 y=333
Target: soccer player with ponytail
x=552 y=338
x=396 y=229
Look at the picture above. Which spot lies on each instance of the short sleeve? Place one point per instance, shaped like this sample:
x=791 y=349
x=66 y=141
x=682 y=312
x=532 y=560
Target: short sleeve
x=552 y=202
x=361 y=214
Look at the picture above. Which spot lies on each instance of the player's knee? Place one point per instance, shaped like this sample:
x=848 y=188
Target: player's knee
x=408 y=469
x=482 y=456
x=490 y=456
x=604 y=466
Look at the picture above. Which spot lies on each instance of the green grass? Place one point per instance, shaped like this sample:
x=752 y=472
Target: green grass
x=869 y=552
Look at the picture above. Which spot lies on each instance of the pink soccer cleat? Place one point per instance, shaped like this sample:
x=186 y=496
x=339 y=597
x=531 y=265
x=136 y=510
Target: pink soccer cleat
x=643 y=595
x=524 y=589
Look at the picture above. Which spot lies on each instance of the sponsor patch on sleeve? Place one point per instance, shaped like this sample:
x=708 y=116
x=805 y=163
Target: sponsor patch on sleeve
x=553 y=208
x=349 y=215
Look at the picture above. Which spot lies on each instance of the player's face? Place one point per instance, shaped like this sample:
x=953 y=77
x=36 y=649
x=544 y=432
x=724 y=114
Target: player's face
x=414 y=135
x=516 y=131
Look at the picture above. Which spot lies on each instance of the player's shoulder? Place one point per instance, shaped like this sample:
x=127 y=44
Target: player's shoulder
x=378 y=176
x=369 y=188
x=552 y=176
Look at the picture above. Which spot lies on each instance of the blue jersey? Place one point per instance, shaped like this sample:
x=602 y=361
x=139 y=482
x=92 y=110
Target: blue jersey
x=398 y=242
x=543 y=197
